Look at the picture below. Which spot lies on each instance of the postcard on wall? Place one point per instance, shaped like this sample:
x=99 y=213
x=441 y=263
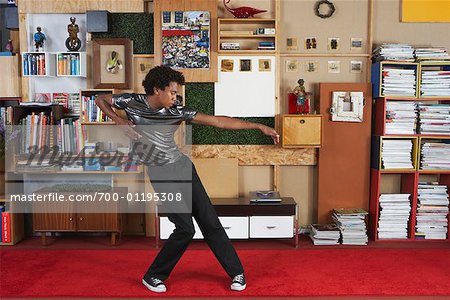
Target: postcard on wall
x=356 y=66
x=227 y=65
x=356 y=44
x=310 y=43
x=291 y=44
x=333 y=44
x=311 y=66
x=245 y=65
x=264 y=65
x=291 y=66
x=334 y=66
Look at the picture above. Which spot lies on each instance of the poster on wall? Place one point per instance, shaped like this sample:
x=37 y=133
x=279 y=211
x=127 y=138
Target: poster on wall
x=186 y=39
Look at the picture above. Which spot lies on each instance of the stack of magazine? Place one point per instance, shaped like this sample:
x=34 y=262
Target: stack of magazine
x=325 y=234
x=401 y=117
x=434 y=118
x=435 y=156
x=394 y=216
x=397 y=154
x=352 y=224
x=395 y=52
x=435 y=83
x=431 y=53
x=398 y=81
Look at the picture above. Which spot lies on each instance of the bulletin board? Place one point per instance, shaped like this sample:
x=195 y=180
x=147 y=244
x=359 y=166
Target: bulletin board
x=425 y=11
x=245 y=89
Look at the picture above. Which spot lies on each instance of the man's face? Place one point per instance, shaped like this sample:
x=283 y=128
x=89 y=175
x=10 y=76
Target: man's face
x=168 y=96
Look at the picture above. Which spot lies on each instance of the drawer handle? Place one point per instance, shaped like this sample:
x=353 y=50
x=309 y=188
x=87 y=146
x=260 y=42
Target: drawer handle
x=81 y=218
x=271 y=226
x=70 y=219
x=227 y=227
x=302 y=121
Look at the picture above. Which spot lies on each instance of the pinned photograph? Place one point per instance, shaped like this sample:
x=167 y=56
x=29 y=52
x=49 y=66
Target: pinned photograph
x=246 y=65
x=264 y=65
x=310 y=43
x=291 y=66
x=356 y=44
x=311 y=66
x=334 y=66
x=291 y=44
x=333 y=44
x=356 y=66
x=227 y=65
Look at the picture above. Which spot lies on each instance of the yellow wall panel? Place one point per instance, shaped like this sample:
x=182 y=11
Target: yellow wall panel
x=426 y=11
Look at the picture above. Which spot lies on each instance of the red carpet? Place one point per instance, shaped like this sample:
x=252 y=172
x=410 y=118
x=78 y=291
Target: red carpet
x=318 y=272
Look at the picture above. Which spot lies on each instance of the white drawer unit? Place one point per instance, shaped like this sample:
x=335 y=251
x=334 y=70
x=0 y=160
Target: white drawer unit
x=235 y=227
x=271 y=226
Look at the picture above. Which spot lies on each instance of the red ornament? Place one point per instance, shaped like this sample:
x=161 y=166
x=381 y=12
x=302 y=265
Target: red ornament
x=242 y=12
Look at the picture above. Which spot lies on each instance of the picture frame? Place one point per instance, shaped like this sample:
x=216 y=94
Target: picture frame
x=334 y=66
x=291 y=66
x=356 y=66
x=112 y=63
x=310 y=43
x=334 y=44
x=245 y=65
x=356 y=44
x=291 y=44
x=311 y=66
x=264 y=65
x=227 y=65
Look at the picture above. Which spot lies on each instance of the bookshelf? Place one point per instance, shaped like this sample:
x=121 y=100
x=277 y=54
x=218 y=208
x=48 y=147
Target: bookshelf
x=406 y=180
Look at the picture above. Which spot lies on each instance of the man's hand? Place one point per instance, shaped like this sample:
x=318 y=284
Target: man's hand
x=127 y=127
x=271 y=132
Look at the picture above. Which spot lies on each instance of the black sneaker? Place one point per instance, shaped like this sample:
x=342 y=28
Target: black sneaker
x=154 y=284
x=238 y=283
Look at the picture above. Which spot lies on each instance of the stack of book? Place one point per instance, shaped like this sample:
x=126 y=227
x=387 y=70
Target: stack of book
x=435 y=156
x=435 y=83
x=401 y=117
x=325 y=234
x=434 y=118
x=5 y=225
x=432 y=211
x=398 y=81
x=396 y=154
x=394 y=216
x=431 y=53
x=394 y=52
x=266 y=46
x=352 y=224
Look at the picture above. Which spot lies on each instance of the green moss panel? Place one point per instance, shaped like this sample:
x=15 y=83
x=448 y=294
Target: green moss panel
x=200 y=96
x=135 y=26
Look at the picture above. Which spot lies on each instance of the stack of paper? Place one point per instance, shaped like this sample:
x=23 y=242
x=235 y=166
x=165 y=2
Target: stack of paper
x=395 y=52
x=352 y=225
x=431 y=53
x=394 y=216
x=325 y=234
x=435 y=156
x=435 y=83
x=398 y=81
x=396 y=154
x=401 y=117
x=432 y=211
x=434 y=118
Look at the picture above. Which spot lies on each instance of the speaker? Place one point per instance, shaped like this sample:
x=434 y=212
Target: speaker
x=97 y=20
x=11 y=18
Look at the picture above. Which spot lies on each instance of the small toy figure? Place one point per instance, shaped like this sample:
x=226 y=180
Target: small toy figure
x=302 y=98
x=9 y=46
x=39 y=38
x=113 y=64
x=73 y=43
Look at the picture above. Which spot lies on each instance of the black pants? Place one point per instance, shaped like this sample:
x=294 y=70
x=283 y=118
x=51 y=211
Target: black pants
x=203 y=212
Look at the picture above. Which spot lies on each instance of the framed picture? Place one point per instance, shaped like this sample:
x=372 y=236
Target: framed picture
x=112 y=63
x=356 y=66
x=333 y=44
x=291 y=44
x=264 y=65
x=356 y=44
x=227 y=65
x=310 y=43
x=334 y=66
x=311 y=66
x=245 y=65
x=291 y=66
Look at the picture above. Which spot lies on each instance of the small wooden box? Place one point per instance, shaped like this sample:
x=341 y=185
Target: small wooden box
x=301 y=131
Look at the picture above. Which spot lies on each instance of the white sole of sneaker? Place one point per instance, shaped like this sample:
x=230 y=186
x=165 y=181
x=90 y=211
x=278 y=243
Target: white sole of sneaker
x=238 y=288
x=159 y=289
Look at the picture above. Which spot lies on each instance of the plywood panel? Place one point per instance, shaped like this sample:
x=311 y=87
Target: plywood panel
x=79 y=6
x=254 y=178
x=257 y=155
x=219 y=176
x=425 y=11
x=10 y=86
x=344 y=159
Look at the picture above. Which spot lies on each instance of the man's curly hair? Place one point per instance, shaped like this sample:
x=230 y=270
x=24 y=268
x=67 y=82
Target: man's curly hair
x=160 y=77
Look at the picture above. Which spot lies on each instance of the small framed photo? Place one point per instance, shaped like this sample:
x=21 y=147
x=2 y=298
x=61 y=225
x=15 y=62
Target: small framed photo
x=310 y=43
x=311 y=66
x=227 y=65
x=291 y=44
x=291 y=66
x=334 y=66
x=355 y=44
x=245 y=65
x=356 y=66
x=333 y=44
x=264 y=65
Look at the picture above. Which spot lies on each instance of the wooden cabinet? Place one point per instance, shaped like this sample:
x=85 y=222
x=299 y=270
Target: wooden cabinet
x=301 y=131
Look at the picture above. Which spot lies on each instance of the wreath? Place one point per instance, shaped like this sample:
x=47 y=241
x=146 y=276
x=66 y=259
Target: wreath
x=331 y=9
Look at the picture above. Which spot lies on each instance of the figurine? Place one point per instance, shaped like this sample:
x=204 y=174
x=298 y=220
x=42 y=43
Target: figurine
x=39 y=38
x=242 y=12
x=302 y=98
x=113 y=64
x=73 y=43
x=9 y=46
